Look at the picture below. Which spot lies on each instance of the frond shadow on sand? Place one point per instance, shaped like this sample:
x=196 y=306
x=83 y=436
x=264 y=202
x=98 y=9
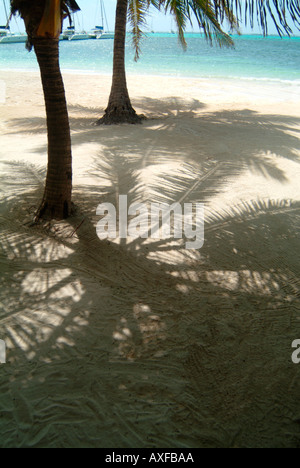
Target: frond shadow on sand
x=146 y=344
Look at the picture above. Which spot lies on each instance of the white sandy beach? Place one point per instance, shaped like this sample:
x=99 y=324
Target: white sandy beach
x=144 y=343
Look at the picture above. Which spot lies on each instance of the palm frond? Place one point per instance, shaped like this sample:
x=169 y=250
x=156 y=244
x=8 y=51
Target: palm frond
x=283 y=14
x=209 y=16
x=137 y=11
x=179 y=10
x=72 y=5
x=249 y=210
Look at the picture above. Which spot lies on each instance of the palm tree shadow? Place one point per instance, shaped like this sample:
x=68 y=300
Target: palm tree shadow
x=145 y=344
x=180 y=131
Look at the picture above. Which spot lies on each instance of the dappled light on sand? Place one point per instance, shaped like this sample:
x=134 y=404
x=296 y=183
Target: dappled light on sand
x=141 y=342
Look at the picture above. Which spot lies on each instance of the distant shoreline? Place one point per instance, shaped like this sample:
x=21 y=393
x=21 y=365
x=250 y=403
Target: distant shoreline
x=192 y=33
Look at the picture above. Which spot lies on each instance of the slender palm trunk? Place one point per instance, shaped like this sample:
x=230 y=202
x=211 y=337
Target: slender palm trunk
x=119 y=109
x=56 y=202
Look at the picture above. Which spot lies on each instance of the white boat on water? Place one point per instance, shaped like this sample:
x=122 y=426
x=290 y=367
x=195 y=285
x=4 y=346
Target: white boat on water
x=107 y=35
x=70 y=34
x=7 y=37
x=73 y=33
x=98 y=32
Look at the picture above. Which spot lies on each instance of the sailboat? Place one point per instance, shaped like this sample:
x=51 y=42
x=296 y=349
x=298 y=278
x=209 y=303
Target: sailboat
x=71 y=34
x=98 y=32
x=6 y=36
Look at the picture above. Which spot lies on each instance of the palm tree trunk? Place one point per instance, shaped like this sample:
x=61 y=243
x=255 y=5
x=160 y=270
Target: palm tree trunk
x=56 y=202
x=119 y=109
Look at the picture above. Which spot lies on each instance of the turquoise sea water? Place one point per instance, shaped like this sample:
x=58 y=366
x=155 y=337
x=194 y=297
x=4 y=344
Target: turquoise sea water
x=253 y=57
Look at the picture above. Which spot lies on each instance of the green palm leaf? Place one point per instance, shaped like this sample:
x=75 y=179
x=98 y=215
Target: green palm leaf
x=281 y=12
x=137 y=12
x=208 y=14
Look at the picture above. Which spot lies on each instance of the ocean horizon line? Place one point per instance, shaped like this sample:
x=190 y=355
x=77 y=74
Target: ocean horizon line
x=196 y=33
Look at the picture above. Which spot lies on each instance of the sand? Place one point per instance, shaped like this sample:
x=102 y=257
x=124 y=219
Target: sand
x=142 y=343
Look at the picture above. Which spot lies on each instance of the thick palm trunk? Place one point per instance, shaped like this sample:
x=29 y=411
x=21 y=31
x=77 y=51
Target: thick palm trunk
x=119 y=109
x=57 y=196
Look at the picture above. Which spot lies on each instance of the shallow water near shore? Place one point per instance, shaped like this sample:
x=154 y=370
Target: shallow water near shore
x=252 y=58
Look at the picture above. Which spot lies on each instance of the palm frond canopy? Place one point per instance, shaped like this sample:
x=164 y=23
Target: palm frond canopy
x=208 y=14
x=211 y=14
x=137 y=12
x=283 y=13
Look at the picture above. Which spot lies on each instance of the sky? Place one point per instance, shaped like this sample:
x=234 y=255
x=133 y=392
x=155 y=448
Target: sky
x=90 y=16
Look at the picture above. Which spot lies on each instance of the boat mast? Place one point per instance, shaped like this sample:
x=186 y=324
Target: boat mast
x=5 y=9
x=103 y=16
x=8 y=18
x=102 y=13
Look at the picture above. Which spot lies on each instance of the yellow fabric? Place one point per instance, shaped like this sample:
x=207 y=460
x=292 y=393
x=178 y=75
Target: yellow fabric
x=50 y=25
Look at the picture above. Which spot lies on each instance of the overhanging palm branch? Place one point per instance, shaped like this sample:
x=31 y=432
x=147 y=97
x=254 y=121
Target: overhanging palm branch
x=282 y=12
x=137 y=12
x=209 y=16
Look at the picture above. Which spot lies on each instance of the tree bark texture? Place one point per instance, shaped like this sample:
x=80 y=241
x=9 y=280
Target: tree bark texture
x=56 y=202
x=119 y=109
